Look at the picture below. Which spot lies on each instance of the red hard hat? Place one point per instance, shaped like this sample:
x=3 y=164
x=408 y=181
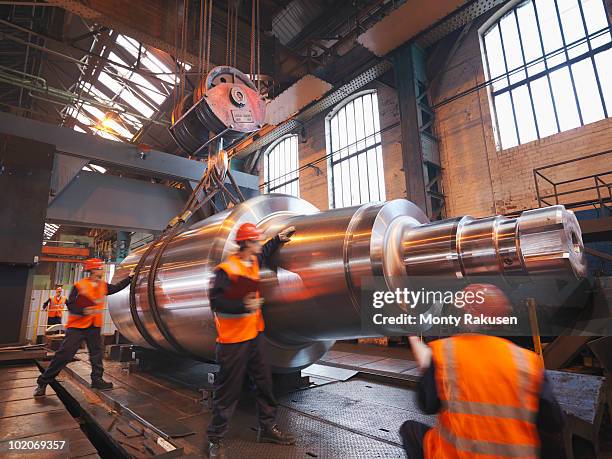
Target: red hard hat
x=494 y=302
x=93 y=263
x=248 y=232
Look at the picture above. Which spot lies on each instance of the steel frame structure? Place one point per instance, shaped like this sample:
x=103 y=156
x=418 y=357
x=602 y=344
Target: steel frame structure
x=601 y=185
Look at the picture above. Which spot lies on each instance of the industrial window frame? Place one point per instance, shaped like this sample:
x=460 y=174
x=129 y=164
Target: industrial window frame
x=121 y=86
x=285 y=166
x=537 y=73
x=350 y=154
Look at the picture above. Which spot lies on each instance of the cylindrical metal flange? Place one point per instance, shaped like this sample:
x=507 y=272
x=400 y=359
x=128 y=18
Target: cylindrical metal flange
x=313 y=291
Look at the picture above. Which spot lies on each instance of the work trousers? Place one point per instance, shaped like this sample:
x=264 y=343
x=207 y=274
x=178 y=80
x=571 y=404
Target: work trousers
x=413 y=433
x=69 y=347
x=54 y=320
x=238 y=360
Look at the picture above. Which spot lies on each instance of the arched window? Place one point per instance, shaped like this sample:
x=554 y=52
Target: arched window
x=281 y=166
x=355 y=155
x=550 y=62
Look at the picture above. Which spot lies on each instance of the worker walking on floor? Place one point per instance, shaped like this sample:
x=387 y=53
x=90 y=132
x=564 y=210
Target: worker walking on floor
x=56 y=304
x=86 y=306
x=492 y=397
x=236 y=303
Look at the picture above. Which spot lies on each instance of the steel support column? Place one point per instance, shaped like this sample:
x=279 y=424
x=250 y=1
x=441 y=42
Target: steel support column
x=412 y=154
x=25 y=175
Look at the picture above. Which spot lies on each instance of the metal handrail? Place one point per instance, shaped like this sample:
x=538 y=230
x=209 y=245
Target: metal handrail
x=599 y=187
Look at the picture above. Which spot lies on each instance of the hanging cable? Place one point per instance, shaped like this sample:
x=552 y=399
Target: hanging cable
x=258 y=28
x=208 y=39
x=227 y=33
x=235 y=30
x=205 y=27
x=201 y=38
x=176 y=48
x=252 y=59
x=185 y=26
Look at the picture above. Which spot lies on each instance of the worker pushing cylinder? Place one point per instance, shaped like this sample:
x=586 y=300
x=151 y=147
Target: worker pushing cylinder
x=313 y=293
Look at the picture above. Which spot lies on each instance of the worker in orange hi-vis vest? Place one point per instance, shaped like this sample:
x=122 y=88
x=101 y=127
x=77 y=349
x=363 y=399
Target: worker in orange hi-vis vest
x=86 y=307
x=56 y=304
x=236 y=303
x=491 y=396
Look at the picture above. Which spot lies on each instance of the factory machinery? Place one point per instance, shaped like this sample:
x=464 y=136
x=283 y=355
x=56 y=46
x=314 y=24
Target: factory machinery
x=313 y=293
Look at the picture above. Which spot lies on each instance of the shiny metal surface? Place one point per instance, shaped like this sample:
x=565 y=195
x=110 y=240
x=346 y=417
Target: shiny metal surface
x=538 y=242
x=313 y=291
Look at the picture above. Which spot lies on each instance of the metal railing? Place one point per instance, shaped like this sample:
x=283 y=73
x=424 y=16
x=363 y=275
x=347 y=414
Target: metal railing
x=587 y=191
x=37 y=316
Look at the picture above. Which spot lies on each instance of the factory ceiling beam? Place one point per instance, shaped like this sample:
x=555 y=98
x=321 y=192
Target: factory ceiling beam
x=155 y=23
x=123 y=156
x=106 y=201
x=103 y=151
x=66 y=50
x=152 y=22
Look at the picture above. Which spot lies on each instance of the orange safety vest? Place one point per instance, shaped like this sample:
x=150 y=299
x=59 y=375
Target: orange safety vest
x=489 y=392
x=90 y=294
x=56 y=306
x=236 y=328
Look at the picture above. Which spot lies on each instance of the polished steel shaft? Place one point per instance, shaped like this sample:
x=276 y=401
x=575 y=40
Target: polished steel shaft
x=313 y=293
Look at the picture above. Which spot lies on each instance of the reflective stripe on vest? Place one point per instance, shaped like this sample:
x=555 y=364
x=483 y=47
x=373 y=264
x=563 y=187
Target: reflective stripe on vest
x=92 y=295
x=487 y=447
x=510 y=422
x=56 y=306
x=236 y=328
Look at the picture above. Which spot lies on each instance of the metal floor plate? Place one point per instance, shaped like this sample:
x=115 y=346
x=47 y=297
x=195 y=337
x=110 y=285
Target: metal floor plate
x=314 y=439
x=378 y=393
x=357 y=418
x=353 y=413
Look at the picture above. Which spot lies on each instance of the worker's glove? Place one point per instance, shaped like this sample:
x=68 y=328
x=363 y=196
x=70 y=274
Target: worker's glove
x=285 y=235
x=132 y=273
x=252 y=303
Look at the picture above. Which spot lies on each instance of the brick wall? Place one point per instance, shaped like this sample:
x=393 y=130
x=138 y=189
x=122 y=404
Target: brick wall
x=480 y=180
x=313 y=181
x=477 y=178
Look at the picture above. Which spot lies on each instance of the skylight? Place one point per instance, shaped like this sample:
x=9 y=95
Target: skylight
x=50 y=230
x=129 y=90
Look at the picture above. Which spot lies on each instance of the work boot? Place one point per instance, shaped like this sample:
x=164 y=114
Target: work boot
x=40 y=390
x=101 y=384
x=216 y=450
x=274 y=435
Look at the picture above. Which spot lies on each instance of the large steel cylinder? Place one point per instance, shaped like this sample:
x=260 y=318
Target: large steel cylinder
x=313 y=291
